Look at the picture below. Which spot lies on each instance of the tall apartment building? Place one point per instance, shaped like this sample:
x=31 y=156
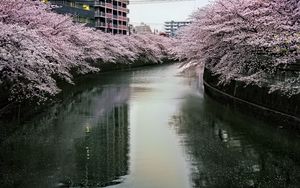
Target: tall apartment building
x=111 y=16
x=171 y=27
x=106 y=15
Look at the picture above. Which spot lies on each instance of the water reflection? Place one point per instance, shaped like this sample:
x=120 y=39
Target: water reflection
x=102 y=154
x=82 y=142
x=227 y=149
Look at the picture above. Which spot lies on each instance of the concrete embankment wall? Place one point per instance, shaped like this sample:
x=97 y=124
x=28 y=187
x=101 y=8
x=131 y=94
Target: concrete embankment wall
x=275 y=107
x=108 y=66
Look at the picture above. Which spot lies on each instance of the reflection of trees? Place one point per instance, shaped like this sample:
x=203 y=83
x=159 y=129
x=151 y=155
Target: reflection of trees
x=230 y=150
x=48 y=151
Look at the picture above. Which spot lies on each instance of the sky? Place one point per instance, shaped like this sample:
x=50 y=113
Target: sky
x=155 y=14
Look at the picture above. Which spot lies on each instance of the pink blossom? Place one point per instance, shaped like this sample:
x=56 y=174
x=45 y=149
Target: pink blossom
x=39 y=47
x=244 y=39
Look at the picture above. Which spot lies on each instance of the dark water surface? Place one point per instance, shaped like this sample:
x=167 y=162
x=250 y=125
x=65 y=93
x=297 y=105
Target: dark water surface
x=146 y=128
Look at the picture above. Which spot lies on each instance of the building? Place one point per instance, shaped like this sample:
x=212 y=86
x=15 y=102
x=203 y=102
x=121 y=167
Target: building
x=143 y=28
x=171 y=27
x=109 y=16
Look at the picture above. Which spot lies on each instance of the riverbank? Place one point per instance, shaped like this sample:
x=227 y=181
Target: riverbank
x=26 y=109
x=281 y=110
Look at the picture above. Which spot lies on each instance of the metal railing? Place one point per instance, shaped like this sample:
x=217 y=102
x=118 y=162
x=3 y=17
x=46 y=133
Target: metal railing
x=109 y=15
x=99 y=14
x=100 y=24
x=99 y=3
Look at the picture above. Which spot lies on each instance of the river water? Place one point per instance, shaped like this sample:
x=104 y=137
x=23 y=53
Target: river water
x=146 y=128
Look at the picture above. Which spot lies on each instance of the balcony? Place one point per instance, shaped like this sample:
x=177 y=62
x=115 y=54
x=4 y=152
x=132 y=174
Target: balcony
x=99 y=3
x=125 y=1
x=122 y=9
x=109 y=25
x=122 y=18
x=109 y=15
x=100 y=24
x=123 y=27
x=99 y=14
x=108 y=5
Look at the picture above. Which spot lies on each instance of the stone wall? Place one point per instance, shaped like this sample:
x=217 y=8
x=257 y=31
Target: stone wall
x=280 y=109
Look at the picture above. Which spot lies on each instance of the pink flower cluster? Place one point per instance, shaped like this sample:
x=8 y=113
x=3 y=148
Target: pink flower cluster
x=248 y=40
x=39 y=47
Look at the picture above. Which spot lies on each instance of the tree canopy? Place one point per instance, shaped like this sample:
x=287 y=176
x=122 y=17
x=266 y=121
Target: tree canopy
x=247 y=40
x=39 y=47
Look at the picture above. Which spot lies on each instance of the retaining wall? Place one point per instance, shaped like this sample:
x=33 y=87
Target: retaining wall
x=275 y=107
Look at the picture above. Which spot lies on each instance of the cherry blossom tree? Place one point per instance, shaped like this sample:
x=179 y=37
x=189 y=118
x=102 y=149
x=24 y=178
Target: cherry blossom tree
x=39 y=47
x=248 y=40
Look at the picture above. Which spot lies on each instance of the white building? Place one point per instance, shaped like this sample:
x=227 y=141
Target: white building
x=171 y=27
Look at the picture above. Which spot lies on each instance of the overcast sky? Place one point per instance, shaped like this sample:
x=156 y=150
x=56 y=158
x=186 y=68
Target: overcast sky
x=155 y=14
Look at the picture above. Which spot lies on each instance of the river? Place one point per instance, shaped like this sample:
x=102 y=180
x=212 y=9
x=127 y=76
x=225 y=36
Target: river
x=150 y=127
